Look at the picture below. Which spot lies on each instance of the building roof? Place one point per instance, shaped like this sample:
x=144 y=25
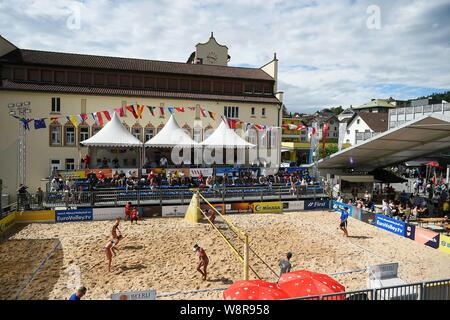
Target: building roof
x=59 y=59
x=224 y=137
x=171 y=135
x=377 y=121
x=74 y=89
x=375 y=103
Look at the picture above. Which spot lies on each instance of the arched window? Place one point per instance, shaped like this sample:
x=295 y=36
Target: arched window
x=55 y=134
x=136 y=131
x=69 y=134
x=188 y=130
x=160 y=127
x=83 y=132
x=149 y=132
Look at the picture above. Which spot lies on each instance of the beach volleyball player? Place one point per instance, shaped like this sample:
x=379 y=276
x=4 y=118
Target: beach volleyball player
x=111 y=248
x=203 y=260
x=344 y=218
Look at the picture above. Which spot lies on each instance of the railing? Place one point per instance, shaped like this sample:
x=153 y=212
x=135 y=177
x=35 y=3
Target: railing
x=363 y=136
x=399 y=116
x=180 y=196
x=429 y=290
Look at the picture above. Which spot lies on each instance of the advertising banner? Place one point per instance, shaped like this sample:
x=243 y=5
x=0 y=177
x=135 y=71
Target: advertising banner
x=186 y=172
x=106 y=172
x=72 y=215
x=268 y=207
x=427 y=237
x=35 y=216
x=129 y=172
x=219 y=207
x=206 y=172
x=338 y=206
x=316 y=204
x=135 y=295
x=80 y=174
x=239 y=207
x=293 y=206
x=222 y=171
x=174 y=211
x=444 y=244
x=391 y=225
x=367 y=217
x=102 y=214
x=410 y=231
x=7 y=222
x=294 y=169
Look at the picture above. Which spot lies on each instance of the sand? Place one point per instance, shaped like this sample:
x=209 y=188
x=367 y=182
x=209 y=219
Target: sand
x=157 y=254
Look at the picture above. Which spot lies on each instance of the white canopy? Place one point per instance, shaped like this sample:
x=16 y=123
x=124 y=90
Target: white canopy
x=171 y=135
x=113 y=134
x=226 y=138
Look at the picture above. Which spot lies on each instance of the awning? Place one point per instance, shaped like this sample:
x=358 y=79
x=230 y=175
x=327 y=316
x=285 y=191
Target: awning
x=113 y=134
x=171 y=135
x=226 y=138
x=412 y=140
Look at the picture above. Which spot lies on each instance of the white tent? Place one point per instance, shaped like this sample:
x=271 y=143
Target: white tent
x=171 y=135
x=226 y=138
x=113 y=134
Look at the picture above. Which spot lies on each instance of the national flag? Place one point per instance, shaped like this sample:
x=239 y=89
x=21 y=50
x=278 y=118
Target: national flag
x=39 y=123
x=212 y=115
x=120 y=112
x=259 y=127
x=300 y=127
x=52 y=119
x=180 y=109
x=203 y=112
x=161 y=109
x=107 y=115
x=324 y=138
x=191 y=108
x=73 y=120
x=25 y=123
x=132 y=110
x=140 y=109
x=171 y=109
x=150 y=108
x=94 y=116
x=100 y=119
x=82 y=117
x=232 y=123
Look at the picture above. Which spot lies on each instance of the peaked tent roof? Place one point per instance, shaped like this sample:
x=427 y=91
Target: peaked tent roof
x=171 y=135
x=226 y=137
x=113 y=134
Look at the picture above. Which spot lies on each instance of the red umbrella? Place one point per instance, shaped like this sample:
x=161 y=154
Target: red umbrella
x=254 y=290
x=303 y=283
x=432 y=164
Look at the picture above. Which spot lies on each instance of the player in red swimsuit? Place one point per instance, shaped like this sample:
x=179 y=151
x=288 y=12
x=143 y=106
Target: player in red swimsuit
x=134 y=215
x=127 y=210
x=203 y=260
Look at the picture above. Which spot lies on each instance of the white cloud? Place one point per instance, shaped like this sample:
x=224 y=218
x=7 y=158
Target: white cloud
x=327 y=54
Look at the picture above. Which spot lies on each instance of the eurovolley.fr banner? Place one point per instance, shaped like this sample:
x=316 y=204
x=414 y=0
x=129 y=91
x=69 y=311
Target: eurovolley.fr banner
x=390 y=224
x=72 y=215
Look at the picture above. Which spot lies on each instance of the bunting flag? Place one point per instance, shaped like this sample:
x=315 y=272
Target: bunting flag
x=132 y=110
x=82 y=117
x=203 y=112
x=52 y=119
x=150 y=108
x=25 y=123
x=300 y=127
x=191 y=108
x=180 y=109
x=171 y=109
x=324 y=138
x=212 y=115
x=140 y=109
x=120 y=112
x=94 y=116
x=232 y=123
x=161 y=109
x=39 y=123
x=260 y=127
x=73 y=120
x=107 y=115
x=100 y=119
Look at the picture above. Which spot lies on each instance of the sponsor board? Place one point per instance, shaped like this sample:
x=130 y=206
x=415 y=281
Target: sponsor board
x=316 y=204
x=71 y=215
x=173 y=211
x=268 y=207
x=80 y=174
x=7 y=222
x=338 y=206
x=222 y=171
x=368 y=217
x=100 y=214
x=239 y=207
x=294 y=206
x=177 y=172
x=218 y=206
x=410 y=231
x=135 y=295
x=129 y=172
x=444 y=243
x=206 y=172
x=35 y=216
x=106 y=172
x=426 y=237
x=389 y=224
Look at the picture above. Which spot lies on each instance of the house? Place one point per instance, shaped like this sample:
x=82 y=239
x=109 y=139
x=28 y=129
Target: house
x=375 y=105
x=365 y=125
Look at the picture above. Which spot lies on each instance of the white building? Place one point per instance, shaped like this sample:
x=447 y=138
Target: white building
x=364 y=126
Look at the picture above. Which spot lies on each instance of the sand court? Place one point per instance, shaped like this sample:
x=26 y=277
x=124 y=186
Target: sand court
x=157 y=254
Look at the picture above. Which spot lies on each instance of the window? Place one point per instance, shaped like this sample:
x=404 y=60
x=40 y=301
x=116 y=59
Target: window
x=231 y=112
x=56 y=105
x=136 y=132
x=55 y=134
x=149 y=133
x=84 y=133
x=358 y=121
x=70 y=164
x=95 y=129
x=69 y=135
x=253 y=111
x=263 y=112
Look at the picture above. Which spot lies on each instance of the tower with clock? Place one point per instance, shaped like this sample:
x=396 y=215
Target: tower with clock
x=211 y=53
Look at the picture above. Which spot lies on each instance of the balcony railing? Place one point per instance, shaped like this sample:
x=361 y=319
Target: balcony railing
x=399 y=116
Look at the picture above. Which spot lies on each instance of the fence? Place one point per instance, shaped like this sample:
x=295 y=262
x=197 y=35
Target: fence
x=180 y=196
x=399 y=116
x=430 y=290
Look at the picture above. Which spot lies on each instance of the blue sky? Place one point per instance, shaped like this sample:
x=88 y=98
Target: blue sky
x=331 y=53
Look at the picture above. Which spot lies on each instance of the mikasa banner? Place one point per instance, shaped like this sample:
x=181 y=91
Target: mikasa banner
x=268 y=207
